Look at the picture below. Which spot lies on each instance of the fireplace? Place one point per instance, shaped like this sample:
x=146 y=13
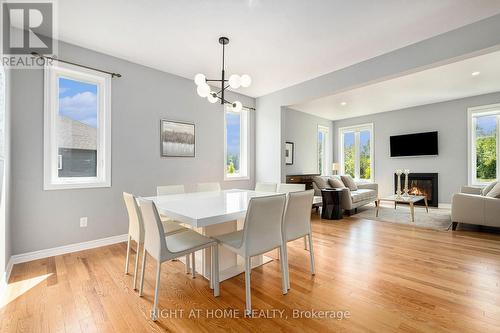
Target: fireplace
x=421 y=184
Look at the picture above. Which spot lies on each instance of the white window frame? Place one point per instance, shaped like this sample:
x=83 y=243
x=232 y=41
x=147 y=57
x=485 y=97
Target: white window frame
x=472 y=113
x=52 y=74
x=326 y=149
x=244 y=148
x=356 y=129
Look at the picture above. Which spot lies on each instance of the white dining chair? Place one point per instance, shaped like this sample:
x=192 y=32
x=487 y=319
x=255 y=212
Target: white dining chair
x=262 y=232
x=163 y=248
x=297 y=223
x=287 y=188
x=169 y=189
x=169 y=223
x=266 y=187
x=208 y=187
x=135 y=232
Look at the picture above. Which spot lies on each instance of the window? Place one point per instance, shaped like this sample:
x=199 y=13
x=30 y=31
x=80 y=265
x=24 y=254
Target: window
x=323 y=150
x=483 y=139
x=77 y=128
x=356 y=151
x=236 y=145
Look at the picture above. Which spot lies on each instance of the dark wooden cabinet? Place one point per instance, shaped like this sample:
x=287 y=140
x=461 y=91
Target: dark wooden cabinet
x=301 y=179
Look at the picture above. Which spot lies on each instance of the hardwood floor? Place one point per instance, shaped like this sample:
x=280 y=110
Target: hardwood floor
x=390 y=278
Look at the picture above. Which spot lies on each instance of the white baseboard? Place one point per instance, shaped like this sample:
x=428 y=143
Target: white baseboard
x=29 y=256
x=55 y=251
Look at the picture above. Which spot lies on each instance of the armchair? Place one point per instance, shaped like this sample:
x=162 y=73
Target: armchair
x=471 y=207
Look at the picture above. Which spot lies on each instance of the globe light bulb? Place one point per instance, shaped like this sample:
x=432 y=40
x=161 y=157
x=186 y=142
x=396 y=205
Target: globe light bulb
x=246 y=80
x=212 y=97
x=203 y=90
x=237 y=106
x=199 y=79
x=234 y=81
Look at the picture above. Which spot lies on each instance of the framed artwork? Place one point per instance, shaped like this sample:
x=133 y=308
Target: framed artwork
x=289 y=151
x=177 y=139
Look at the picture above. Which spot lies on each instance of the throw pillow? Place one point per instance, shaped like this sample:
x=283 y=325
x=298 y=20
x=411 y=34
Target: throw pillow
x=336 y=183
x=321 y=182
x=488 y=188
x=349 y=182
x=495 y=191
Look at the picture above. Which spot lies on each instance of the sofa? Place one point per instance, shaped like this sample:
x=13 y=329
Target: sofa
x=351 y=200
x=473 y=206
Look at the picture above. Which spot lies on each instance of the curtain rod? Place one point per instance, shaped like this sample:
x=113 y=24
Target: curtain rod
x=75 y=64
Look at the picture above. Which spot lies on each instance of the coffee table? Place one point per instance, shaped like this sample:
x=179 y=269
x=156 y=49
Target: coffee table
x=409 y=199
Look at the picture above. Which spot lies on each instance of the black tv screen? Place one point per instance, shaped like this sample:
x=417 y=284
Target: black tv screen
x=418 y=144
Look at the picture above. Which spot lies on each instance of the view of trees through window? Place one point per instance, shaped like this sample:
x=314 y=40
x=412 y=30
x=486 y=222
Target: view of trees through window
x=356 y=153
x=486 y=148
x=349 y=154
x=364 y=155
x=322 y=150
x=233 y=146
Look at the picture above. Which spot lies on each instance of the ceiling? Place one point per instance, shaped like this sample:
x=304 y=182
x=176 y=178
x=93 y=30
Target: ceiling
x=444 y=83
x=279 y=43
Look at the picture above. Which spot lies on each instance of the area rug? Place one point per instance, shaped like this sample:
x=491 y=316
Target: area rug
x=437 y=218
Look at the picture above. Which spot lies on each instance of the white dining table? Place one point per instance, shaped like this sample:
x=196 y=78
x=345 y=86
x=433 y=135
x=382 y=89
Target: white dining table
x=211 y=214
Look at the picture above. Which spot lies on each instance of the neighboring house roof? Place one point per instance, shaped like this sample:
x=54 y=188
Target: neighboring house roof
x=75 y=135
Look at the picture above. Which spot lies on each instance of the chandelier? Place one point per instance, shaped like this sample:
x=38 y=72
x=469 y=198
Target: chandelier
x=235 y=81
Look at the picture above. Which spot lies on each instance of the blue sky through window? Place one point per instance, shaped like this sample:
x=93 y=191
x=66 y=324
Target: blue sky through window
x=364 y=137
x=349 y=139
x=78 y=101
x=486 y=125
x=233 y=133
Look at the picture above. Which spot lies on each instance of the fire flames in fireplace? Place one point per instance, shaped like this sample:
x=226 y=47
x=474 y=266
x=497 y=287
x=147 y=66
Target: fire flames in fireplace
x=416 y=191
x=421 y=187
x=425 y=184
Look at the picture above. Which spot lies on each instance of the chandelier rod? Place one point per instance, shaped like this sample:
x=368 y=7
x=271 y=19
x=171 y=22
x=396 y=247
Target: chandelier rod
x=224 y=42
x=221 y=90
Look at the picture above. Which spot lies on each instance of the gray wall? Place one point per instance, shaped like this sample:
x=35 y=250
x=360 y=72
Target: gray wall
x=44 y=219
x=448 y=118
x=302 y=129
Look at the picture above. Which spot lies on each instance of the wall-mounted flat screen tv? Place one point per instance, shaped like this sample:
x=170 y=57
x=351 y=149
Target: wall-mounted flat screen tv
x=417 y=144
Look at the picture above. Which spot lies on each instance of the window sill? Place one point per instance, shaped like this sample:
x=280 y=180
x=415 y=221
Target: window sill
x=480 y=185
x=369 y=181
x=226 y=178
x=70 y=186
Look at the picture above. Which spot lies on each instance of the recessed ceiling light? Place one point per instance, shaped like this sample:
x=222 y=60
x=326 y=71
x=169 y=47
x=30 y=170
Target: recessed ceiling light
x=343 y=103
x=475 y=73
